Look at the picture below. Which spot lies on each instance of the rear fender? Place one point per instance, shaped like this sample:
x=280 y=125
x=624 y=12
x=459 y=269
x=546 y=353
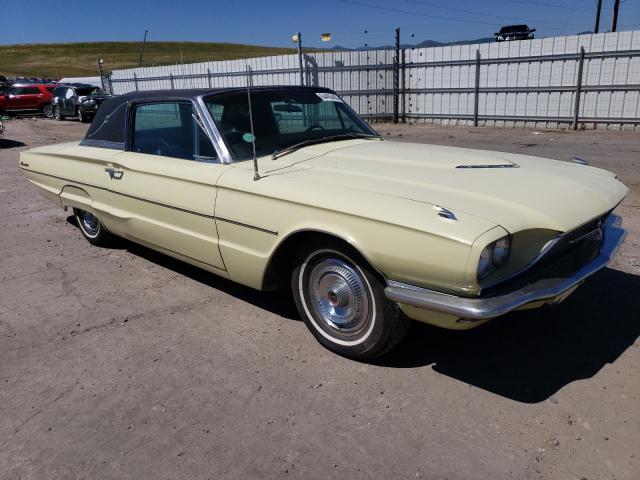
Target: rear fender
x=75 y=197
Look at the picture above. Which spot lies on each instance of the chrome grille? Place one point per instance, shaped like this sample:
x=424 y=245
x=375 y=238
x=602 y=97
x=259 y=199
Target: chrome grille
x=572 y=250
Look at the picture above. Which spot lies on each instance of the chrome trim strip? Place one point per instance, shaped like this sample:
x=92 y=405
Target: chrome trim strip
x=193 y=212
x=260 y=229
x=485 y=308
x=221 y=147
x=64 y=179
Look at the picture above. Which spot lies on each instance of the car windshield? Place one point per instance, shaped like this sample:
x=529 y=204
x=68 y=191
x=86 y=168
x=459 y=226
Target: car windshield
x=84 y=91
x=281 y=119
x=514 y=29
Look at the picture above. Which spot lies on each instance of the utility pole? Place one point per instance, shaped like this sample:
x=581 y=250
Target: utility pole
x=598 y=8
x=396 y=77
x=614 y=19
x=144 y=41
x=298 y=39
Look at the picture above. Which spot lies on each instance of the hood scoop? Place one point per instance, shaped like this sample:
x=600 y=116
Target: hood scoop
x=506 y=165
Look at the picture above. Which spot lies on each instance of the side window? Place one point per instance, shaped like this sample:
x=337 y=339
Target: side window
x=30 y=91
x=169 y=129
x=15 y=91
x=69 y=93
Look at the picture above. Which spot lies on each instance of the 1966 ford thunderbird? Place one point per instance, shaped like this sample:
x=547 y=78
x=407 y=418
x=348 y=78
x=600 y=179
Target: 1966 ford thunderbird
x=368 y=233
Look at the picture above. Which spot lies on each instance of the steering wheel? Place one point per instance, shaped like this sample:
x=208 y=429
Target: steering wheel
x=313 y=127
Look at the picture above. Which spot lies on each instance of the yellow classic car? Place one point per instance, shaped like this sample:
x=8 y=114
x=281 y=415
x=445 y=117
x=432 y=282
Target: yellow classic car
x=286 y=186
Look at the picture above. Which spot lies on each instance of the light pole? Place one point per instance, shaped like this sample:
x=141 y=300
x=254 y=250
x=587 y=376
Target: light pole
x=100 y=61
x=297 y=38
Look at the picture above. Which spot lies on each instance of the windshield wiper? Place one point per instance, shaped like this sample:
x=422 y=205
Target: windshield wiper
x=312 y=141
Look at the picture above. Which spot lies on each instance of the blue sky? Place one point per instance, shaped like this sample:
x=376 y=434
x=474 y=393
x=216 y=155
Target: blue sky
x=272 y=22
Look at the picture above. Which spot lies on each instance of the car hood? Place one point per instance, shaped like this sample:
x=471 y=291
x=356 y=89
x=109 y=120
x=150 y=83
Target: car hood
x=515 y=191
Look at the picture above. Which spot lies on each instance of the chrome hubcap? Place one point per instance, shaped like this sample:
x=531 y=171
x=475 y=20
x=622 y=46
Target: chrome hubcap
x=338 y=295
x=89 y=223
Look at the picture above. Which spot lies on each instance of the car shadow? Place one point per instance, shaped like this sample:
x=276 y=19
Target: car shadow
x=526 y=356
x=6 y=143
x=529 y=355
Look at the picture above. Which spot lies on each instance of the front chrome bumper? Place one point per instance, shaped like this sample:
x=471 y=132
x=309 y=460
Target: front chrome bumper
x=551 y=289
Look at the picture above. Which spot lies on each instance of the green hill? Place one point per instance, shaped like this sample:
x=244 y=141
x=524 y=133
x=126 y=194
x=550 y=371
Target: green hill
x=79 y=59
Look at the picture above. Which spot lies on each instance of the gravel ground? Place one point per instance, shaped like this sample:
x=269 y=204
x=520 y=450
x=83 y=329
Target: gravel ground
x=123 y=363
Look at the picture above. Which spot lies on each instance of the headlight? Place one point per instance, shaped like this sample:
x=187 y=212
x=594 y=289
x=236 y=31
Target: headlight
x=493 y=256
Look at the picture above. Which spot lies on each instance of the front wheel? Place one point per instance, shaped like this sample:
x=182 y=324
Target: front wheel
x=57 y=114
x=92 y=229
x=82 y=118
x=342 y=302
x=47 y=110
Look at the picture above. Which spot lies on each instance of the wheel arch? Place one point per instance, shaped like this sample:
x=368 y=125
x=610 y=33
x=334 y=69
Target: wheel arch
x=76 y=197
x=281 y=261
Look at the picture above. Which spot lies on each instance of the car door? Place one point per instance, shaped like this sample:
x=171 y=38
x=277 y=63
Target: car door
x=58 y=96
x=17 y=99
x=68 y=104
x=164 y=186
x=31 y=97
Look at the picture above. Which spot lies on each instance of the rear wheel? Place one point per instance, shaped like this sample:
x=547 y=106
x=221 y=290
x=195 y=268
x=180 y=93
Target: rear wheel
x=92 y=229
x=342 y=302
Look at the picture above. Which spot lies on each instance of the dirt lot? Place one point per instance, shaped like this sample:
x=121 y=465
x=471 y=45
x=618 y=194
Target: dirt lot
x=123 y=363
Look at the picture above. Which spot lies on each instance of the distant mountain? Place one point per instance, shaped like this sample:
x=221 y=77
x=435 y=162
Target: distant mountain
x=423 y=44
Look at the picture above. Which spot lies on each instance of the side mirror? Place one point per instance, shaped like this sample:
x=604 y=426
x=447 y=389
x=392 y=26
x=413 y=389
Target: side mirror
x=497 y=33
x=532 y=30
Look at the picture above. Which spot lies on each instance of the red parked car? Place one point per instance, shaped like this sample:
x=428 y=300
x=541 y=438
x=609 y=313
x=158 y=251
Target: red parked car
x=26 y=98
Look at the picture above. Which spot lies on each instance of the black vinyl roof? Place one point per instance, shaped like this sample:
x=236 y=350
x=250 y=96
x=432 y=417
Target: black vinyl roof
x=108 y=126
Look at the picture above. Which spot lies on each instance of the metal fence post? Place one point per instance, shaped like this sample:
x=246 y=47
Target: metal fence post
x=403 y=85
x=300 y=62
x=135 y=80
x=476 y=94
x=576 y=108
x=171 y=80
x=396 y=77
x=209 y=77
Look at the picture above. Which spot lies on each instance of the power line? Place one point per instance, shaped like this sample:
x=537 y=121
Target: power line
x=543 y=4
x=475 y=12
x=397 y=10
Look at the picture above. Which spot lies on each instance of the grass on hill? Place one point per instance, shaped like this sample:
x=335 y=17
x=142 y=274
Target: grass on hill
x=79 y=59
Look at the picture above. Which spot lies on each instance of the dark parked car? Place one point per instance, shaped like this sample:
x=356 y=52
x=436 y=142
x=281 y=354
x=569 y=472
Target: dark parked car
x=77 y=100
x=514 y=32
x=26 y=98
